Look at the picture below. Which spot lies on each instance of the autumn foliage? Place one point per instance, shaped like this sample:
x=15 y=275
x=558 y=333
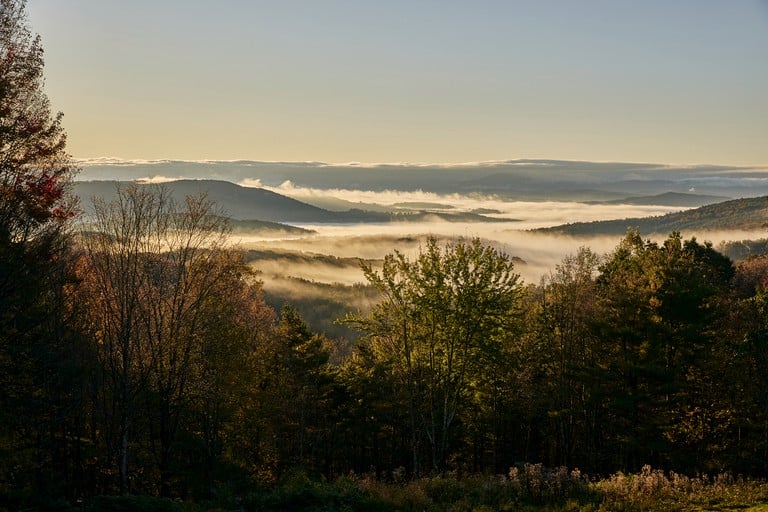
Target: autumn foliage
x=139 y=358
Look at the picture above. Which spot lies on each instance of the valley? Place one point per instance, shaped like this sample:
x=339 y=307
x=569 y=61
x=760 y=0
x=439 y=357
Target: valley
x=306 y=244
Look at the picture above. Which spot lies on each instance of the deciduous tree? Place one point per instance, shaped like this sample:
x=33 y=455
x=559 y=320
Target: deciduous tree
x=151 y=266
x=440 y=321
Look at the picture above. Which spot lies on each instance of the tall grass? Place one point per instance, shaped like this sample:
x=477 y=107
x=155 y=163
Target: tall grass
x=532 y=487
x=526 y=488
x=653 y=489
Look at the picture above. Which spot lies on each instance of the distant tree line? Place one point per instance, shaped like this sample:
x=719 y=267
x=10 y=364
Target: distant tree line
x=137 y=354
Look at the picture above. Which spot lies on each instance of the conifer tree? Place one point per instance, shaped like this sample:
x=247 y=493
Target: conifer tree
x=34 y=208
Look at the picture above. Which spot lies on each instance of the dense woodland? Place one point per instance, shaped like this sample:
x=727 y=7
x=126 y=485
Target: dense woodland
x=137 y=353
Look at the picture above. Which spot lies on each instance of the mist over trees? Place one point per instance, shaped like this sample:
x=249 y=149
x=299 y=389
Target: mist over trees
x=138 y=355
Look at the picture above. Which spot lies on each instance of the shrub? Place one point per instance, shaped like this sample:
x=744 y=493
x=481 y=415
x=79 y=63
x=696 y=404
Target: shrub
x=653 y=489
x=132 y=504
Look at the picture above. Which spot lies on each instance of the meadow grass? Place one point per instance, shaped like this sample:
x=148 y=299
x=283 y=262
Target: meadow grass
x=525 y=488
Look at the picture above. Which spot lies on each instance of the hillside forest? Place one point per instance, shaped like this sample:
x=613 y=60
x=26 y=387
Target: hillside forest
x=138 y=355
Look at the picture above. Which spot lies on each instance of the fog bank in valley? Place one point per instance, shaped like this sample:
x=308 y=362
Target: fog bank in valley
x=539 y=253
x=526 y=214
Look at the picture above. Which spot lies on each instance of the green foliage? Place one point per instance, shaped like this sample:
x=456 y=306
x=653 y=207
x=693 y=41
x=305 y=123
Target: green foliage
x=300 y=493
x=656 y=312
x=132 y=504
x=321 y=304
x=441 y=320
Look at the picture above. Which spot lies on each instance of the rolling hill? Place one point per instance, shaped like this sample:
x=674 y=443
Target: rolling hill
x=251 y=203
x=240 y=203
x=738 y=214
x=667 y=199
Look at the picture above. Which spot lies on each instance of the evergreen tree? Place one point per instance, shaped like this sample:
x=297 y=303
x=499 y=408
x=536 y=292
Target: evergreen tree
x=38 y=361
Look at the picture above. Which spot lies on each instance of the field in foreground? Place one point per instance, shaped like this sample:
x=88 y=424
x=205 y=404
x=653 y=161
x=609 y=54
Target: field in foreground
x=529 y=487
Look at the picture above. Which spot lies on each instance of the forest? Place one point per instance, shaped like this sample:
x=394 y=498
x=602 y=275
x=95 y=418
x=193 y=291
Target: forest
x=138 y=357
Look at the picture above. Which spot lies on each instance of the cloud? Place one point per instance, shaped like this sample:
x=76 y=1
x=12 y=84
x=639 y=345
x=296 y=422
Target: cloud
x=527 y=214
x=251 y=183
x=522 y=162
x=158 y=179
x=441 y=165
x=106 y=160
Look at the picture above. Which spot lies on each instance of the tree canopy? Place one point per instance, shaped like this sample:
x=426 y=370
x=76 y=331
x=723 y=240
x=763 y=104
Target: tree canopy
x=443 y=317
x=138 y=355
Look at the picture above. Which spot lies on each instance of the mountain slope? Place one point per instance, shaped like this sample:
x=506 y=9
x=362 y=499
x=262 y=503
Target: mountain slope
x=738 y=214
x=238 y=202
x=250 y=203
x=668 y=199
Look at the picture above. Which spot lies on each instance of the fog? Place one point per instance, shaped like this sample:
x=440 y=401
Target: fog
x=317 y=270
x=323 y=185
x=373 y=241
x=526 y=214
x=312 y=270
x=540 y=252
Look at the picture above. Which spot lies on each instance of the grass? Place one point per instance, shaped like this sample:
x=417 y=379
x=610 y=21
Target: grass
x=527 y=488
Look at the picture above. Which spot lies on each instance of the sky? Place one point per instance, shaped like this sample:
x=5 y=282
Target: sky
x=666 y=81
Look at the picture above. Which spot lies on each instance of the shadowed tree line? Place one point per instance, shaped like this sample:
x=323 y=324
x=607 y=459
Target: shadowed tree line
x=137 y=354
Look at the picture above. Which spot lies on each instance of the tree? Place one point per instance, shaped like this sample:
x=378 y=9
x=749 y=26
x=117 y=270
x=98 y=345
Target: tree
x=748 y=365
x=34 y=171
x=34 y=167
x=235 y=323
x=440 y=321
x=658 y=311
x=34 y=209
x=568 y=309
x=151 y=265
x=286 y=424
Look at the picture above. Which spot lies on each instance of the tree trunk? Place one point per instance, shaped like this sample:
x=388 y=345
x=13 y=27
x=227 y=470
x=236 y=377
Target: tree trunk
x=123 y=463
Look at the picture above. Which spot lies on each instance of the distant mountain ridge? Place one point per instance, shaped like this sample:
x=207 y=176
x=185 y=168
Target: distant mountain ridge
x=737 y=214
x=525 y=179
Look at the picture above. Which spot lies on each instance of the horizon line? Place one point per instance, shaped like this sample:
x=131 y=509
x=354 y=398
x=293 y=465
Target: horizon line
x=94 y=161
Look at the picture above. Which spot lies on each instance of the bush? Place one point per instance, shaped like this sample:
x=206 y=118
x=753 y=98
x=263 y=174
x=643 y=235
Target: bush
x=300 y=493
x=132 y=504
x=526 y=488
x=653 y=489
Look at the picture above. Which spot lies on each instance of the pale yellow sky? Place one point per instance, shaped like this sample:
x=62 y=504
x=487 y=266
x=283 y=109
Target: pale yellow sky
x=434 y=81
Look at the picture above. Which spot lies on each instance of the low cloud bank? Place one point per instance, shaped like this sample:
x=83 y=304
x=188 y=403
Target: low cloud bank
x=530 y=214
x=540 y=252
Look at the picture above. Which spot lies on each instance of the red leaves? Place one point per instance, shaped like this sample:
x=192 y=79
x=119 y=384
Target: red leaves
x=41 y=196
